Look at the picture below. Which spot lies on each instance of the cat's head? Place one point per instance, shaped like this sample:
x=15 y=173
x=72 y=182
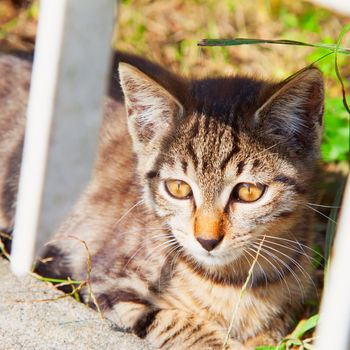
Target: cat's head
x=231 y=161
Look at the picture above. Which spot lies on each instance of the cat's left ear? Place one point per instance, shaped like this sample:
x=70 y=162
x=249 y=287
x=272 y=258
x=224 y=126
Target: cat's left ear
x=293 y=114
x=151 y=109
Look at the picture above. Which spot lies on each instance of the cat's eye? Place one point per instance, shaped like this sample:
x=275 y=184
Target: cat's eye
x=178 y=189
x=248 y=192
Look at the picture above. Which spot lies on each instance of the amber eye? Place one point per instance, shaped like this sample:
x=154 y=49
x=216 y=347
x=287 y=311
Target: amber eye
x=248 y=192
x=178 y=189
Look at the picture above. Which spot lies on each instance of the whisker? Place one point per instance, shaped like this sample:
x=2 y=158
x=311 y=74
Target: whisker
x=280 y=273
x=319 y=212
x=175 y=248
x=296 y=263
x=296 y=242
x=132 y=239
x=172 y=245
x=315 y=252
x=324 y=206
x=139 y=231
x=165 y=244
x=173 y=262
x=261 y=268
x=273 y=256
x=161 y=249
x=249 y=263
x=133 y=256
x=129 y=211
x=302 y=251
x=141 y=247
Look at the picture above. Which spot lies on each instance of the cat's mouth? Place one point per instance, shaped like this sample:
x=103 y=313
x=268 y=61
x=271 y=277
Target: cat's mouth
x=220 y=255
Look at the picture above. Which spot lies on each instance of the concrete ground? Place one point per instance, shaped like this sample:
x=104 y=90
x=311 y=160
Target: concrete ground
x=30 y=324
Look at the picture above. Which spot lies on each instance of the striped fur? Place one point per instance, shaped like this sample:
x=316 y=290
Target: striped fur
x=149 y=272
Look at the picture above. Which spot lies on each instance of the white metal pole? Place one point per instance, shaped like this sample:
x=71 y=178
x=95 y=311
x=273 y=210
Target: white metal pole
x=340 y=6
x=68 y=83
x=333 y=331
x=39 y=118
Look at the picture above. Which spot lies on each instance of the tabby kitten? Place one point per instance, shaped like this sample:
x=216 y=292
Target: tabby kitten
x=212 y=182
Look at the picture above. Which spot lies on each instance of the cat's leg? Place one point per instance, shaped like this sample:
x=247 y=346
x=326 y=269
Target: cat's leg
x=173 y=329
x=135 y=309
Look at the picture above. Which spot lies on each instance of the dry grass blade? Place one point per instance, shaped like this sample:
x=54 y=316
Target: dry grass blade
x=242 y=291
x=88 y=277
x=61 y=282
x=75 y=290
x=77 y=286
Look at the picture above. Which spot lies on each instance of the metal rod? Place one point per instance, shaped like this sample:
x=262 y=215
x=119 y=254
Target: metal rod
x=71 y=66
x=37 y=135
x=333 y=331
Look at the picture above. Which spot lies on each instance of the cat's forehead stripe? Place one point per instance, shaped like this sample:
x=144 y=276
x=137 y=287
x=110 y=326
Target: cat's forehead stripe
x=184 y=165
x=256 y=163
x=229 y=157
x=192 y=155
x=240 y=167
x=151 y=174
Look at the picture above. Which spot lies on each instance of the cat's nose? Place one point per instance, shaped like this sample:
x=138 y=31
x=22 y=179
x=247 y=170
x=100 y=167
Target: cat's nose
x=209 y=244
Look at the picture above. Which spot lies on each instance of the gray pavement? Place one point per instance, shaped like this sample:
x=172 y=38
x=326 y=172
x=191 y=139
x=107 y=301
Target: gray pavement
x=28 y=323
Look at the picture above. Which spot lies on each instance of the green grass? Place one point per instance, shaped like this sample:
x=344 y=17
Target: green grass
x=335 y=143
x=296 y=337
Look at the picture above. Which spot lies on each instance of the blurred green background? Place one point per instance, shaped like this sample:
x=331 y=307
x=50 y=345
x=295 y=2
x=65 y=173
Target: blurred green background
x=167 y=31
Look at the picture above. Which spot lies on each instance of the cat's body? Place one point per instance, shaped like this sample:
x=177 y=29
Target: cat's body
x=169 y=266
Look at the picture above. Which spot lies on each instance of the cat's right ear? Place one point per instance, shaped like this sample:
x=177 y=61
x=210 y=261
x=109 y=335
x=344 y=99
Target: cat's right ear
x=151 y=109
